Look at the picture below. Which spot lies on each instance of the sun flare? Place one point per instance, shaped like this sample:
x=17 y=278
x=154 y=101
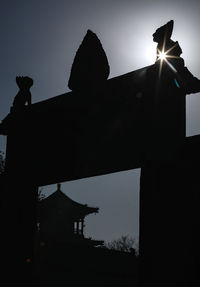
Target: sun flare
x=162 y=55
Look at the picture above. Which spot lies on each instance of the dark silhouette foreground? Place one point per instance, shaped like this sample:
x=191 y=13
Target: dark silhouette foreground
x=136 y=120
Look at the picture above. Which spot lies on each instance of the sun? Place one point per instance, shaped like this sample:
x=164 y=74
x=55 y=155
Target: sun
x=162 y=55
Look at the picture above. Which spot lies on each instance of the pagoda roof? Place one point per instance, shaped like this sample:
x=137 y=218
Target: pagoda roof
x=59 y=200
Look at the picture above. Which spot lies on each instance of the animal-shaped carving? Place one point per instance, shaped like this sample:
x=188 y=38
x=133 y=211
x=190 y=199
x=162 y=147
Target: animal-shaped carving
x=23 y=97
x=182 y=76
x=162 y=36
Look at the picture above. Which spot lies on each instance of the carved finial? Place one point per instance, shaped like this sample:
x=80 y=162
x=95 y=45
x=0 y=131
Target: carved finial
x=90 y=66
x=162 y=36
x=24 y=94
x=164 y=32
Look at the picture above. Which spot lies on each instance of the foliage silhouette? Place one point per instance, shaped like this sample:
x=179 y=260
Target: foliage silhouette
x=125 y=244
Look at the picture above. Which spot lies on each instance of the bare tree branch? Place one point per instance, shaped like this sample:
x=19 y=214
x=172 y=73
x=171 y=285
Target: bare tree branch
x=125 y=243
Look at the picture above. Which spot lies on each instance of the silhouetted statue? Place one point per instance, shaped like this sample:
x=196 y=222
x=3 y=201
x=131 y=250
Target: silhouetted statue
x=162 y=37
x=24 y=94
x=184 y=78
x=90 y=67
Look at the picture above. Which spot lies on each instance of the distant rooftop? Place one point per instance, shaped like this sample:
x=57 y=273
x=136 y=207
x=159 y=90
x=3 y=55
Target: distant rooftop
x=69 y=206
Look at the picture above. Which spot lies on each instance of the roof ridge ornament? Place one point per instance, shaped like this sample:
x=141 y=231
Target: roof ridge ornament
x=168 y=57
x=90 y=66
x=24 y=95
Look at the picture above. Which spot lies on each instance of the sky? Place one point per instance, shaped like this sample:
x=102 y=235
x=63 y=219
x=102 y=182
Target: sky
x=40 y=38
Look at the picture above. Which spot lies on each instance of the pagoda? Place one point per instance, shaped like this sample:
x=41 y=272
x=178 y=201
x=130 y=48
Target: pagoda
x=61 y=220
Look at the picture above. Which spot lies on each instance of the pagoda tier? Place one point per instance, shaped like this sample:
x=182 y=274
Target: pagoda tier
x=62 y=219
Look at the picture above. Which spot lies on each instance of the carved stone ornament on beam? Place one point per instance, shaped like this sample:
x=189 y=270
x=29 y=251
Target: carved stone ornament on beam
x=23 y=96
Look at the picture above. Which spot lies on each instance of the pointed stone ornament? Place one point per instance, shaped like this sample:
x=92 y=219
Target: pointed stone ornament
x=90 y=67
x=164 y=33
x=162 y=36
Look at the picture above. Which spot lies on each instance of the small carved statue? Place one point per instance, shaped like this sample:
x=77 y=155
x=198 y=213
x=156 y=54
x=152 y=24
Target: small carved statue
x=24 y=94
x=162 y=36
x=171 y=52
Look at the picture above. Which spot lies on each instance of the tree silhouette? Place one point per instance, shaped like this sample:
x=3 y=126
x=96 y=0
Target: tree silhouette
x=125 y=244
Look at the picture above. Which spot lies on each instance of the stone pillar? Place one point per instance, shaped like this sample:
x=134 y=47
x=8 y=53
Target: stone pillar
x=77 y=228
x=18 y=214
x=162 y=188
x=166 y=203
x=82 y=226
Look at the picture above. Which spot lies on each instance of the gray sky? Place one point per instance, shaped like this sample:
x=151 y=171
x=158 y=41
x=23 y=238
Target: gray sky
x=40 y=38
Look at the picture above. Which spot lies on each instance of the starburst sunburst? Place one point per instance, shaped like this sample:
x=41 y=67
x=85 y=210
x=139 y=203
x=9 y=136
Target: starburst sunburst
x=163 y=55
